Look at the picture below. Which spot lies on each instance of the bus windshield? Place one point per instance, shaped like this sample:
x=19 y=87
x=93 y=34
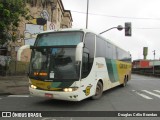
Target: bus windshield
x=53 y=56
x=59 y=38
x=54 y=64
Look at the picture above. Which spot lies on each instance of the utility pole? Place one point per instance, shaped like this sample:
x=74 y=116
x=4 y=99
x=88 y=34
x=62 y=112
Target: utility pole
x=87 y=14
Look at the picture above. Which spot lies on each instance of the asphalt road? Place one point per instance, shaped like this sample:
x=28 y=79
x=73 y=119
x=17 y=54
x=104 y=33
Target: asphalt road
x=141 y=94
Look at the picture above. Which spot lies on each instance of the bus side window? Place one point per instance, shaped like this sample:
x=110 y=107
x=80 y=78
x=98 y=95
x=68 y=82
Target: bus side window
x=85 y=63
x=100 y=47
x=88 y=54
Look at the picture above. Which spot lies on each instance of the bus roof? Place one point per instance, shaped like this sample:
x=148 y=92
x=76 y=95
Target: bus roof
x=67 y=29
x=80 y=29
x=75 y=29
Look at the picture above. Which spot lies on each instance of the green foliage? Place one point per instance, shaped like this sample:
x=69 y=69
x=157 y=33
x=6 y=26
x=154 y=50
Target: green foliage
x=10 y=13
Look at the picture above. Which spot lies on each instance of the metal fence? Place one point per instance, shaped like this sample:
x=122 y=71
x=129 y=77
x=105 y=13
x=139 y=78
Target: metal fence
x=147 y=71
x=13 y=67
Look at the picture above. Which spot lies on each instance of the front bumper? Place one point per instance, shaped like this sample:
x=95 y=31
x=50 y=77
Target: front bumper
x=59 y=95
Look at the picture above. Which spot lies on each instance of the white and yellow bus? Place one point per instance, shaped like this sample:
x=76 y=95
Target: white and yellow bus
x=75 y=64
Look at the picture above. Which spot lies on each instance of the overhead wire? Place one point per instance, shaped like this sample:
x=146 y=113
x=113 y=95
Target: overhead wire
x=120 y=17
x=148 y=28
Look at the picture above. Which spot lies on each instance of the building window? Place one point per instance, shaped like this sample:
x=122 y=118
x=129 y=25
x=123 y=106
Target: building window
x=59 y=14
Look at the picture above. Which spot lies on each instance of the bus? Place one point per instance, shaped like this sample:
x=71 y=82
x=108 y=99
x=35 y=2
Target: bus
x=75 y=64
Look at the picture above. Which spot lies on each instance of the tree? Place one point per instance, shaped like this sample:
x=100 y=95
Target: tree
x=11 y=12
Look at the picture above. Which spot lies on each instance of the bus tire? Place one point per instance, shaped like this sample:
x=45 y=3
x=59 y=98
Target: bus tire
x=125 y=82
x=99 y=91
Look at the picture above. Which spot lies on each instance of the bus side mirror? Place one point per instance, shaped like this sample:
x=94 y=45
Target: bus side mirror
x=20 y=50
x=78 y=53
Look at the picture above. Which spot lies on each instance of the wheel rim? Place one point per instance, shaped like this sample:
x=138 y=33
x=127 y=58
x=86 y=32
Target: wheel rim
x=98 y=89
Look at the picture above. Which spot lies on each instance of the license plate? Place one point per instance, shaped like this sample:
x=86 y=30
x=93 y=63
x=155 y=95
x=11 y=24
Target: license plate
x=48 y=95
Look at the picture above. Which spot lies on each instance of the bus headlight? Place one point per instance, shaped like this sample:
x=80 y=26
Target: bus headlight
x=70 y=89
x=33 y=86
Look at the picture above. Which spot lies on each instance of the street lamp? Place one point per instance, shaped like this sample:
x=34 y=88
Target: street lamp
x=127 y=27
x=119 y=27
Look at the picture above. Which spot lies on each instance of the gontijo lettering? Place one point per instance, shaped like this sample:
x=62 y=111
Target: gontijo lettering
x=123 y=66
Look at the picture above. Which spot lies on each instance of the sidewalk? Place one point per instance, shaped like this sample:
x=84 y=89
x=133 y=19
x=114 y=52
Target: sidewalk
x=13 y=85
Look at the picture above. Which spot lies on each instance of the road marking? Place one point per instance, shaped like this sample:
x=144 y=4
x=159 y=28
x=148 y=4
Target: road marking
x=157 y=91
x=18 y=96
x=151 y=93
x=142 y=95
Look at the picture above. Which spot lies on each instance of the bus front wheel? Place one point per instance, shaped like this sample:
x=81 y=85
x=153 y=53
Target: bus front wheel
x=99 y=91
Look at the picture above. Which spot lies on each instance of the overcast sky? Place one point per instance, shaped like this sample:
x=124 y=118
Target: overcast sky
x=104 y=14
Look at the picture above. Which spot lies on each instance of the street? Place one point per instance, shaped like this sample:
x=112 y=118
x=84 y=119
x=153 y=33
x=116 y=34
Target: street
x=141 y=94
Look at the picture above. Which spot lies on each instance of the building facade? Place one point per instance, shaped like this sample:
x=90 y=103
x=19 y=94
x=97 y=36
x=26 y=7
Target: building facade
x=45 y=15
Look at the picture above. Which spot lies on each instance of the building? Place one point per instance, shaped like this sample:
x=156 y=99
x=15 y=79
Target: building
x=140 y=64
x=146 y=67
x=45 y=15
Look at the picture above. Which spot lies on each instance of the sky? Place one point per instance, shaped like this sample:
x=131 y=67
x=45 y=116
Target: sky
x=104 y=14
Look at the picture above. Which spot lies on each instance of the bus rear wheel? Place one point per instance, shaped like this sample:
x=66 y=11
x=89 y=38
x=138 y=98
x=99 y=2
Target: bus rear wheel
x=99 y=91
x=125 y=82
